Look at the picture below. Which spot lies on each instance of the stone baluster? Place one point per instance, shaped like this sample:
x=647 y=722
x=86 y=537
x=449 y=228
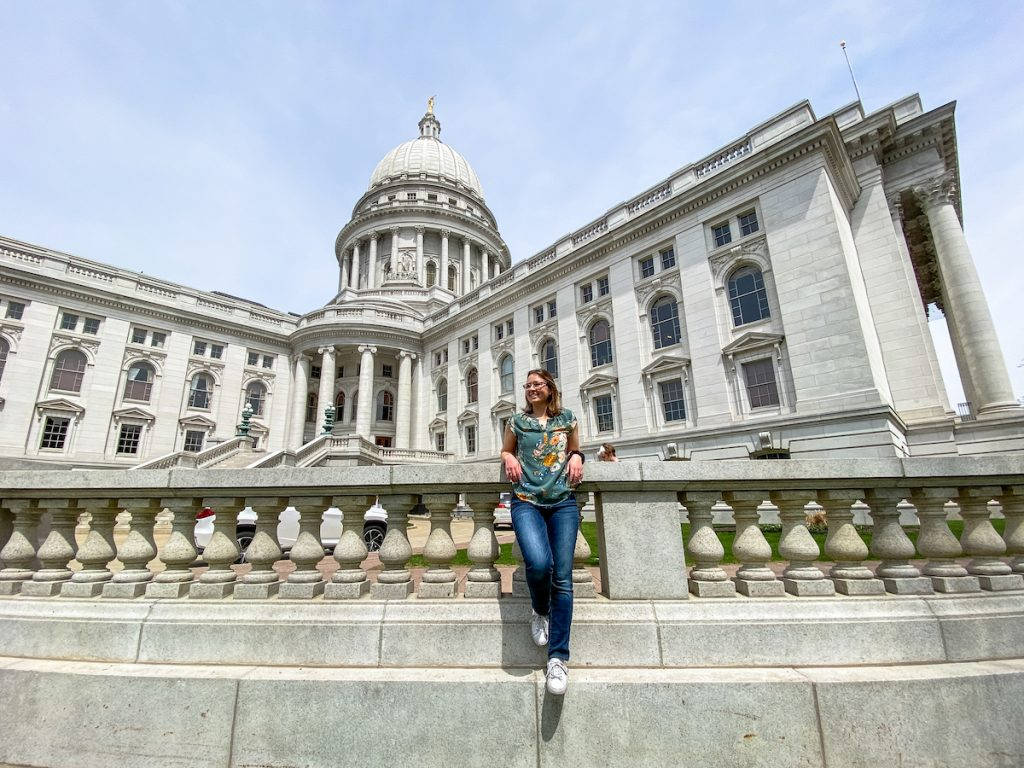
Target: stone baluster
x=750 y=548
x=801 y=576
x=891 y=545
x=845 y=546
x=582 y=578
x=178 y=553
x=520 y=587
x=96 y=552
x=305 y=582
x=56 y=551
x=1012 y=499
x=705 y=550
x=937 y=543
x=982 y=543
x=395 y=580
x=349 y=581
x=483 y=579
x=262 y=581
x=439 y=551
x=218 y=581
x=19 y=551
x=136 y=550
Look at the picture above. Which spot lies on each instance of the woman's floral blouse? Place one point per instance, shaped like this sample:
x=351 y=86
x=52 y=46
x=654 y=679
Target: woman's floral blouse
x=542 y=453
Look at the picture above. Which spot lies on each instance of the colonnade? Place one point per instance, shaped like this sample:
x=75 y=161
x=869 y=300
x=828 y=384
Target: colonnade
x=409 y=378
x=407 y=269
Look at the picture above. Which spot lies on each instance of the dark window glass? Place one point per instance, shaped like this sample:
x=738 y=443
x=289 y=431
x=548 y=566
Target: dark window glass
x=216 y=351
x=549 y=357
x=55 y=432
x=470 y=438
x=507 y=374
x=200 y=391
x=138 y=336
x=722 y=234
x=91 y=326
x=665 y=323
x=4 y=349
x=471 y=385
x=747 y=296
x=600 y=343
x=68 y=322
x=253 y=358
x=439 y=441
x=672 y=403
x=128 y=439
x=386 y=371
x=586 y=293
x=385 y=406
x=339 y=407
x=158 y=339
x=647 y=267
x=311 y=407
x=538 y=314
x=256 y=397
x=603 y=413
x=442 y=395
x=199 y=348
x=193 y=441
x=453 y=277
x=499 y=332
x=668 y=258
x=431 y=272
x=68 y=371
x=552 y=308
x=139 y=384
x=268 y=362
x=15 y=310
x=748 y=223
x=314 y=371
x=602 y=286
x=762 y=391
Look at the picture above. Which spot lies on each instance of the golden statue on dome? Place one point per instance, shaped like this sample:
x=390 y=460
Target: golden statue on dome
x=430 y=105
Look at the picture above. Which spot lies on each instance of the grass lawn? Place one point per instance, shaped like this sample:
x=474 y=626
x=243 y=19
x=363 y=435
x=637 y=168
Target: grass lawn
x=726 y=537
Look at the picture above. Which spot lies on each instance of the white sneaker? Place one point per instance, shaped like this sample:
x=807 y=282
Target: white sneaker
x=539 y=629
x=557 y=675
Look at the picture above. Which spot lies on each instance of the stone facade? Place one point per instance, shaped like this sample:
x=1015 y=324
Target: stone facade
x=765 y=301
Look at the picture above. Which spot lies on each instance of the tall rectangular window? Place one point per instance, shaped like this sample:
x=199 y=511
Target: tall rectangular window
x=470 y=438
x=268 y=362
x=216 y=351
x=55 y=432
x=722 y=234
x=538 y=314
x=672 y=403
x=158 y=339
x=439 y=441
x=91 y=326
x=647 y=267
x=602 y=286
x=499 y=331
x=748 y=223
x=586 y=293
x=253 y=358
x=15 y=309
x=603 y=413
x=552 y=308
x=386 y=371
x=762 y=390
x=199 y=348
x=193 y=441
x=668 y=258
x=128 y=439
x=314 y=371
x=509 y=327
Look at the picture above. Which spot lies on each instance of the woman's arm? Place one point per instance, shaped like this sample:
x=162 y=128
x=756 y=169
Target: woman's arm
x=513 y=470
x=575 y=463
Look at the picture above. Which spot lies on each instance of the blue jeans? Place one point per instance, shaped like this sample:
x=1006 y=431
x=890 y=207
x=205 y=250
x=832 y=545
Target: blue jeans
x=547 y=537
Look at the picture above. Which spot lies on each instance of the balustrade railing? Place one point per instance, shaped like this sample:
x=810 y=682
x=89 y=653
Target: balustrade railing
x=641 y=549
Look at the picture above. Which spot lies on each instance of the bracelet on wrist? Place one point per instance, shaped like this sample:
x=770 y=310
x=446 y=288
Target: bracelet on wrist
x=583 y=459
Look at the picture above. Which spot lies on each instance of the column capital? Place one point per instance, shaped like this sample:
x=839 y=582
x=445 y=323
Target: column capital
x=937 y=190
x=374 y=235
x=364 y=348
x=404 y=353
x=446 y=233
x=394 y=230
x=329 y=350
x=297 y=357
x=420 y=230
x=466 y=242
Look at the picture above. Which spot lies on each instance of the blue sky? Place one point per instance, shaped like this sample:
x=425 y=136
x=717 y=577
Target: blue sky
x=223 y=144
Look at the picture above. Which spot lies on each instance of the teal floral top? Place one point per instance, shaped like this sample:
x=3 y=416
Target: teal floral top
x=542 y=453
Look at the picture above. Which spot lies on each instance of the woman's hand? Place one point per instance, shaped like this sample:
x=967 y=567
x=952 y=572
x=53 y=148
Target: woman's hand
x=575 y=470
x=513 y=470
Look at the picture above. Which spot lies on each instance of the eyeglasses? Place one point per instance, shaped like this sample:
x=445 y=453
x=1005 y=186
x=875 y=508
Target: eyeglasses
x=534 y=386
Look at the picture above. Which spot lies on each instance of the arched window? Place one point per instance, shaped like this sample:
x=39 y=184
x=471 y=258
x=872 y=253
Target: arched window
x=431 y=274
x=507 y=374
x=139 y=384
x=471 y=385
x=549 y=357
x=453 y=277
x=600 y=343
x=339 y=407
x=311 y=408
x=442 y=395
x=4 y=349
x=665 y=322
x=199 y=391
x=256 y=397
x=385 y=406
x=68 y=371
x=747 y=296
x=355 y=404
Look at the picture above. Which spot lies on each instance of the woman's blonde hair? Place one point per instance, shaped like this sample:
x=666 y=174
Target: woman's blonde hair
x=554 y=399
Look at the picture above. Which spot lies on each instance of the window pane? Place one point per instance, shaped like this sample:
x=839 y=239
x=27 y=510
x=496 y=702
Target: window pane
x=138 y=336
x=722 y=234
x=385 y=406
x=15 y=310
x=647 y=267
x=499 y=331
x=507 y=374
x=158 y=339
x=439 y=441
x=268 y=362
x=471 y=386
x=91 y=326
x=665 y=323
x=68 y=322
x=470 y=439
x=748 y=297
x=586 y=293
x=600 y=343
x=199 y=392
x=55 y=432
x=538 y=314
x=216 y=351
x=550 y=358
x=4 y=349
x=311 y=408
x=128 y=439
x=255 y=397
x=762 y=391
x=602 y=286
x=552 y=308
x=139 y=384
x=68 y=371
x=442 y=395
x=668 y=258
x=194 y=441
x=672 y=402
x=603 y=413
x=748 y=223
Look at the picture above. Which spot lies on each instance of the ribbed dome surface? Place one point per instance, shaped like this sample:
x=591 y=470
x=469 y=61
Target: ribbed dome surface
x=428 y=155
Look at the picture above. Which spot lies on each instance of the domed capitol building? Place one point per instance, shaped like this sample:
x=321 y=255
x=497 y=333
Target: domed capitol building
x=766 y=301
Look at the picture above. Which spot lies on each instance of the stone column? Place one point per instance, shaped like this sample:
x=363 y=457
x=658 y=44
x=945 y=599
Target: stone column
x=96 y=552
x=416 y=427
x=343 y=279
x=371 y=265
x=136 y=550
x=178 y=553
x=750 y=548
x=394 y=253
x=800 y=577
x=965 y=299
x=218 y=581
x=56 y=551
x=439 y=578
x=328 y=370
x=403 y=407
x=483 y=579
x=465 y=265
x=707 y=579
x=981 y=542
x=845 y=546
x=937 y=543
x=354 y=277
x=421 y=278
x=261 y=582
x=19 y=551
x=891 y=545
x=442 y=272
x=300 y=387
x=349 y=581
x=395 y=580
x=365 y=404
x=1012 y=499
x=305 y=582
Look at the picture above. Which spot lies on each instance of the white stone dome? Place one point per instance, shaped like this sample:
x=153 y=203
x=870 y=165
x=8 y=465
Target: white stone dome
x=426 y=154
